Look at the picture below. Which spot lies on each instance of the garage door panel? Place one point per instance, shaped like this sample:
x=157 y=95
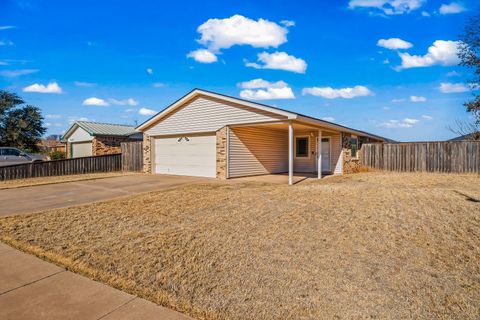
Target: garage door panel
x=82 y=149
x=195 y=157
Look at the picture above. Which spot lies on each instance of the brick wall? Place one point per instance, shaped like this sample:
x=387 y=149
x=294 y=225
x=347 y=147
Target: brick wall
x=147 y=163
x=222 y=153
x=102 y=145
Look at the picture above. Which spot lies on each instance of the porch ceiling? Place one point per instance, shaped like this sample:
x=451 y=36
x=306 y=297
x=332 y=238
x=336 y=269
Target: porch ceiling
x=297 y=126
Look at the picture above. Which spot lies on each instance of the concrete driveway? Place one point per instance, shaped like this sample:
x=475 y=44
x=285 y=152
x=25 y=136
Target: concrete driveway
x=37 y=198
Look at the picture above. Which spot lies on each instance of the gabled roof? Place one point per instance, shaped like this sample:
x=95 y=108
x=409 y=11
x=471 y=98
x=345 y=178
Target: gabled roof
x=101 y=129
x=288 y=114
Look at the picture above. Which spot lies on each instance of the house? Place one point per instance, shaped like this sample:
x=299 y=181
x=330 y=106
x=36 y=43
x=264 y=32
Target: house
x=212 y=135
x=51 y=144
x=85 y=138
x=466 y=137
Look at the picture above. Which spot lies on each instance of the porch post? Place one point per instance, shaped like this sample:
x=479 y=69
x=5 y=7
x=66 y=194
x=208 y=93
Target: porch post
x=290 y=153
x=319 y=154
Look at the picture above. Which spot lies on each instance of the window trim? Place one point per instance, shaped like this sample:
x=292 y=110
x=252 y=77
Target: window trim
x=308 y=147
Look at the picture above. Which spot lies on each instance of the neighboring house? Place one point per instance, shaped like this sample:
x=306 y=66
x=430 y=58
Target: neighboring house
x=212 y=135
x=85 y=138
x=470 y=136
x=51 y=145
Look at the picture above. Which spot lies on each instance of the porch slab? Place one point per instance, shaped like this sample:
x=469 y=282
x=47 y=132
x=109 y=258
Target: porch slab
x=281 y=178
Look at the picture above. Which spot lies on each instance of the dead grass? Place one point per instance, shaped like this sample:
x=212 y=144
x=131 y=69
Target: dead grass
x=370 y=245
x=10 y=184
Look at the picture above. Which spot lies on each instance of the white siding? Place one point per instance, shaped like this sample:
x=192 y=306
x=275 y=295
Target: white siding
x=208 y=115
x=337 y=157
x=255 y=151
x=80 y=135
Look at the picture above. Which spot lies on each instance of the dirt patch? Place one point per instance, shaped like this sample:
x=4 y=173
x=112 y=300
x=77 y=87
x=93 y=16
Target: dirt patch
x=370 y=245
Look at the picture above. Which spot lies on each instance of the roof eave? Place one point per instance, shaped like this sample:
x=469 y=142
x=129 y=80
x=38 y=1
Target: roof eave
x=338 y=127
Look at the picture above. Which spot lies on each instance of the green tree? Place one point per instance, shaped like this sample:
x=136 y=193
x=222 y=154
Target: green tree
x=21 y=125
x=469 y=54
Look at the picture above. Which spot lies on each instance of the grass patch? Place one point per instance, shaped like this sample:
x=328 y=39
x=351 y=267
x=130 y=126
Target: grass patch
x=380 y=245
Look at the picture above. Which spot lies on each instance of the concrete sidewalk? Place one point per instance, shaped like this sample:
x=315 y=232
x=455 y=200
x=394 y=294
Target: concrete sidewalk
x=31 y=288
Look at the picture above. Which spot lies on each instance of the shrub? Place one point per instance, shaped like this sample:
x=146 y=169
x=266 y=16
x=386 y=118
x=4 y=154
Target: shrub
x=56 y=155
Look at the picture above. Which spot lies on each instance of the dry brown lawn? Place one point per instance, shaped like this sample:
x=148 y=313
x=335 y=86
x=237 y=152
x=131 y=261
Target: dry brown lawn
x=371 y=245
x=10 y=184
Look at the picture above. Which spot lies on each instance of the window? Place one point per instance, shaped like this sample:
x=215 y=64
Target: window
x=11 y=152
x=301 y=147
x=354 y=146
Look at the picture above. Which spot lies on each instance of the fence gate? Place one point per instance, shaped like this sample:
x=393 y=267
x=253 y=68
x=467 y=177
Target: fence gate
x=132 y=156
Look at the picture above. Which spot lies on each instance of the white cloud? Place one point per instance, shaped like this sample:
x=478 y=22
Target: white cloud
x=389 y=7
x=427 y=117
x=451 y=8
x=149 y=70
x=53 y=116
x=124 y=102
x=331 y=93
x=52 y=87
x=158 y=85
x=146 y=112
x=6 y=27
x=394 y=44
x=405 y=123
x=279 y=61
x=84 y=84
x=425 y=14
x=130 y=110
x=453 y=74
x=288 y=23
x=219 y=34
x=93 y=101
x=386 y=61
x=442 y=53
x=447 y=87
x=259 y=89
x=6 y=43
x=398 y=100
x=330 y=119
x=202 y=56
x=17 y=73
x=417 y=99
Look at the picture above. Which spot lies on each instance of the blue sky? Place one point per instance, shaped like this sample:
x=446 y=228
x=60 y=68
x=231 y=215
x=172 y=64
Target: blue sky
x=384 y=66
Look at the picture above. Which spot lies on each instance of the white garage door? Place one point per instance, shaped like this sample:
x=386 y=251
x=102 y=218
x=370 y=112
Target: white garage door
x=81 y=149
x=186 y=156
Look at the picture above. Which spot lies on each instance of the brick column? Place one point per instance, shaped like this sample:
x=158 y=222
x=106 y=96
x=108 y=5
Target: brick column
x=147 y=165
x=222 y=153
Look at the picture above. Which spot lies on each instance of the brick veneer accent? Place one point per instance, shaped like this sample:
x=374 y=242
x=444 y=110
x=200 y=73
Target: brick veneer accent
x=147 y=151
x=102 y=145
x=222 y=153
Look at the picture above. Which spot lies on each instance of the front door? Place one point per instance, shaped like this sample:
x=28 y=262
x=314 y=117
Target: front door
x=326 y=155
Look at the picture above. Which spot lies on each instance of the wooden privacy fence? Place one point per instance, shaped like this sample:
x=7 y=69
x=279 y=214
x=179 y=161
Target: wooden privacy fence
x=449 y=156
x=107 y=163
x=132 y=156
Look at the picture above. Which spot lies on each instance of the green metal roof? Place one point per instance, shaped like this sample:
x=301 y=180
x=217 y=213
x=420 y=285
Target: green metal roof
x=102 y=129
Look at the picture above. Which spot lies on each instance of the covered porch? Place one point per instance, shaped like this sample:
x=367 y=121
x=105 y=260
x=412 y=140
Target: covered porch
x=284 y=147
